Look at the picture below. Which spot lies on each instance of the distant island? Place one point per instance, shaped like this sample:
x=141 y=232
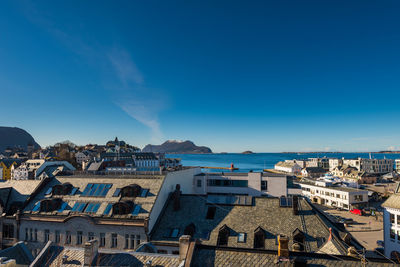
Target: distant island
x=11 y=137
x=177 y=147
x=248 y=152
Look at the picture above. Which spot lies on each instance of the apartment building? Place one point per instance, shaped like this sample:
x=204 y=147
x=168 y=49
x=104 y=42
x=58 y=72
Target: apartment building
x=119 y=211
x=325 y=193
x=371 y=165
x=252 y=184
x=391 y=225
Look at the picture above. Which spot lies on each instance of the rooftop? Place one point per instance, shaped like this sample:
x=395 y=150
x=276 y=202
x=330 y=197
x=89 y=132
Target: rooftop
x=265 y=213
x=339 y=188
x=96 y=195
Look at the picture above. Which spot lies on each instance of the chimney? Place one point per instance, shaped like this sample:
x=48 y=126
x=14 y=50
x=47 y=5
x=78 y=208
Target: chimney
x=283 y=249
x=176 y=195
x=295 y=205
x=91 y=250
x=184 y=242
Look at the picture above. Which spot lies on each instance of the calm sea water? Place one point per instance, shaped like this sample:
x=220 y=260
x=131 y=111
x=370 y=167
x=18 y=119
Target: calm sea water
x=260 y=161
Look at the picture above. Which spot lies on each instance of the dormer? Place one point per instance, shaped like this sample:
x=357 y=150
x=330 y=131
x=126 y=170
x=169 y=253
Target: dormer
x=122 y=208
x=62 y=189
x=132 y=190
x=259 y=238
x=223 y=235
x=48 y=205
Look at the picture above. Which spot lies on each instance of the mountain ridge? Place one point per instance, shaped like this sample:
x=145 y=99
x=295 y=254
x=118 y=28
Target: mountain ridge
x=15 y=137
x=177 y=147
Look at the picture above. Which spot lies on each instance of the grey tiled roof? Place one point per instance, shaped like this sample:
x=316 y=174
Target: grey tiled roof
x=265 y=213
x=151 y=182
x=19 y=252
x=211 y=256
x=75 y=256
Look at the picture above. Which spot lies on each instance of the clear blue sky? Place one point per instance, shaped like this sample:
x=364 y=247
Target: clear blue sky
x=233 y=75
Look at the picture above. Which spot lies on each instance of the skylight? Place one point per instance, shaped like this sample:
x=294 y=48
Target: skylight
x=174 y=232
x=97 y=190
x=79 y=206
x=108 y=209
x=136 y=210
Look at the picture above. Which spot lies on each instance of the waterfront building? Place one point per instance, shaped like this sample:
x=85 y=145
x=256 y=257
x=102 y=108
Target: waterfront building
x=288 y=167
x=353 y=175
x=376 y=166
x=313 y=172
x=252 y=184
x=325 y=193
x=333 y=163
x=391 y=225
x=397 y=161
x=8 y=165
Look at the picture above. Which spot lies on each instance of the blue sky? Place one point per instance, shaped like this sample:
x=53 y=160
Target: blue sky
x=266 y=76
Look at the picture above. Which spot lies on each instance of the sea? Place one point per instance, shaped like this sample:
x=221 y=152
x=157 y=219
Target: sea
x=258 y=161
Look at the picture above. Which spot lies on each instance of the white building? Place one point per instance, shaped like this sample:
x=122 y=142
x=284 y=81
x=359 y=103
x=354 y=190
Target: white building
x=252 y=184
x=325 y=194
x=146 y=160
x=288 y=167
x=397 y=161
x=333 y=163
x=20 y=173
x=391 y=225
x=82 y=157
x=370 y=165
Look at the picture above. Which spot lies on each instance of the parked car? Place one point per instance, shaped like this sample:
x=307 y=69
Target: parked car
x=357 y=212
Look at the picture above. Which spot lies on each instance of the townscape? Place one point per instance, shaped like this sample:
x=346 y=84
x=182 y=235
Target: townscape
x=113 y=205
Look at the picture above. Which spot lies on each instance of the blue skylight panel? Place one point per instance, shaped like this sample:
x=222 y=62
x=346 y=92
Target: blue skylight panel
x=105 y=190
x=37 y=207
x=48 y=191
x=93 y=189
x=63 y=206
x=89 y=208
x=99 y=190
x=144 y=192
x=73 y=191
x=75 y=207
x=88 y=187
x=116 y=193
x=95 y=207
x=81 y=207
x=136 y=210
x=108 y=209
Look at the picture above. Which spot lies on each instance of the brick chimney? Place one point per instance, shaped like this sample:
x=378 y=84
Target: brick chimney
x=283 y=249
x=91 y=250
x=295 y=205
x=176 y=195
x=184 y=242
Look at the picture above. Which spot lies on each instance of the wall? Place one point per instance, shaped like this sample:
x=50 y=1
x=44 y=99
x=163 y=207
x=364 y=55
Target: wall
x=182 y=177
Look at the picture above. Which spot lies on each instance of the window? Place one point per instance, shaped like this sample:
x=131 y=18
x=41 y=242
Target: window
x=137 y=240
x=198 y=183
x=161 y=251
x=67 y=237
x=259 y=238
x=337 y=195
x=391 y=218
x=79 y=206
x=57 y=237
x=174 y=233
x=392 y=234
x=26 y=234
x=102 y=239
x=241 y=238
x=264 y=185
x=107 y=209
x=114 y=240
x=223 y=236
x=126 y=241
x=90 y=236
x=358 y=197
x=36 y=234
x=285 y=201
x=79 y=237
x=132 y=241
x=46 y=235
x=97 y=190
x=398 y=219
x=8 y=231
x=211 y=212
x=31 y=234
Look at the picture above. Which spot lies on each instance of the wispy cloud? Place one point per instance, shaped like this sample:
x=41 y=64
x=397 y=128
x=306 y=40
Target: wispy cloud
x=128 y=89
x=133 y=97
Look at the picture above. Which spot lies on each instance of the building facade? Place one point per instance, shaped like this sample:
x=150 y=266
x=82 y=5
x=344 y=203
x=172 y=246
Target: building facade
x=391 y=225
x=288 y=167
x=325 y=194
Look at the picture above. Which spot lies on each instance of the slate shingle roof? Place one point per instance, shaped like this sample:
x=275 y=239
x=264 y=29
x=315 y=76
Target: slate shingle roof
x=211 y=256
x=265 y=213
